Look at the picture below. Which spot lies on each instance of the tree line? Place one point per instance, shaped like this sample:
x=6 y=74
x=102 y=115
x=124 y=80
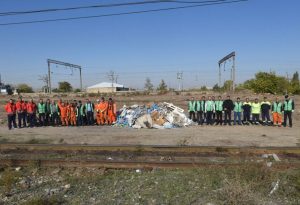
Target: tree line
x=263 y=82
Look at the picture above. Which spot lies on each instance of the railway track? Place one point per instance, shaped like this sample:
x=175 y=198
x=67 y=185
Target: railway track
x=144 y=157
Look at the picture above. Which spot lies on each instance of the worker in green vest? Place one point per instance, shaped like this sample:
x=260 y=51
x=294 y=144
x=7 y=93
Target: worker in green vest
x=192 y=109
x=213 y=118
x=255 y=108
x=288 y=107
x=54 y=114
x=277 y=109
x=209 y=110
x=219 y=111
x=201 y=110
x=80 y=113
x=237 y=111
x=41 y=112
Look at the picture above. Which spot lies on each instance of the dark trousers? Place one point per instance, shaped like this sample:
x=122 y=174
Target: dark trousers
x=21 y=117
x=48 y=119
x=255 y=118
x=246 y=116
x=90 y=118
x=31 y=119
x=80 y=121
x=213 y=117
x=219 y=116
x=227 y=117
x=192 y=115
x=54 y=119
x=42 y=119
x=200 y=117
x=288 y=114
x=265 y=116
x=209 y=120
x=11 y=121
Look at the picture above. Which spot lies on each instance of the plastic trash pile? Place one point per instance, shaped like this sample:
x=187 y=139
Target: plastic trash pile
x=159 y=116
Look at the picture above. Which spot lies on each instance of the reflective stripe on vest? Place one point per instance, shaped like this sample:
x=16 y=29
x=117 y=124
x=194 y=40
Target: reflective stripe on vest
x=255 y=108
x=219 y=105
x=192 y=106
x=288 y=105
x=41 y=107
x=209 y=105
x=277 y=107
x=238 y=107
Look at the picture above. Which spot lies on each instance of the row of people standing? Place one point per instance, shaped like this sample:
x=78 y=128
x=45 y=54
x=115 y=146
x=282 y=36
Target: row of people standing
x=75 y=113
x=218 y=111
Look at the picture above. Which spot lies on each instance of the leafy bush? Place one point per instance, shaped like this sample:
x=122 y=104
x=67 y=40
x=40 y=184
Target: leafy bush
x=24 y=88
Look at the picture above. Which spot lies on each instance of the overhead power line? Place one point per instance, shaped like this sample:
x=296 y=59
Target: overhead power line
x=122 y=13
x=106 y=6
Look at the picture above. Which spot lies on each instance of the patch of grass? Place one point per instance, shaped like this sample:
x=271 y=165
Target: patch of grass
x=3 y=140
x=241 y=184
x=37 y=141
x=8 y=179
x=53 y=200
x=221 y=149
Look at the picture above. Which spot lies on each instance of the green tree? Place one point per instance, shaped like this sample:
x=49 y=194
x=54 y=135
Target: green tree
x=294 y=86
x=65 y=86
x=148 y=85
x=295 y=78
x=203 y=88
x=216 y=87
x=24 y=88
x=227 y=85
x=267 y=83
x=162 y=87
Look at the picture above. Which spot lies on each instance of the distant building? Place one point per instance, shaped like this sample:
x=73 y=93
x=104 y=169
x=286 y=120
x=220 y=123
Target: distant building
x=106 y=87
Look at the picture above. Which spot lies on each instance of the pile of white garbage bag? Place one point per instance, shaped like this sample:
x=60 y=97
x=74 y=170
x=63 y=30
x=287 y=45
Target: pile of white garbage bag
x=160 y=116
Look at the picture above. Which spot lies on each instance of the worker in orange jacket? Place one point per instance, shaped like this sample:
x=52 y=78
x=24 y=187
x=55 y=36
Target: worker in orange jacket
x=111 y=111
x=10 y=109
x=64 y=114
x=69 y=105
x=102 y=112
x=31 y=112
x=73 y=113
x=21 y=112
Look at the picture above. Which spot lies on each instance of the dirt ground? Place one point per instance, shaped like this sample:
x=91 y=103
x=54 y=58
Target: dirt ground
x=194 y=135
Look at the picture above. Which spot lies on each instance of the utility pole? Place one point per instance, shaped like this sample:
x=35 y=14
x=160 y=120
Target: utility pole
x=232 y=74
x=49 y=77
x=45 y=80
x=180 y=80
x=49 y=61
x=112 y=77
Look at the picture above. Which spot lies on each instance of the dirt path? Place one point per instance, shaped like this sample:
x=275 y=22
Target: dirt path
x=196 y=135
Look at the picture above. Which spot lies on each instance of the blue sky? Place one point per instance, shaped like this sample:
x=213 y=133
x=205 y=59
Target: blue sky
x=264 y=33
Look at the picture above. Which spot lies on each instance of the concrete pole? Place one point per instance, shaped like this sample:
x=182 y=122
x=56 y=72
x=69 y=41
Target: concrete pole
x=233 y=74
x=49 y=78
x=80 y=79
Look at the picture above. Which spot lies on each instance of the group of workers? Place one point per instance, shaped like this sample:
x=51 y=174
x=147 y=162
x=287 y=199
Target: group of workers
x=218 y=111
x=210 y=111
x=65 y=113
